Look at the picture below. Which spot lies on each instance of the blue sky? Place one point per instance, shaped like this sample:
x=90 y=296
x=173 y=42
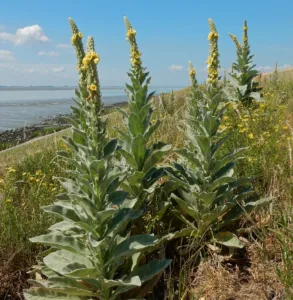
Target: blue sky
x=35 y=37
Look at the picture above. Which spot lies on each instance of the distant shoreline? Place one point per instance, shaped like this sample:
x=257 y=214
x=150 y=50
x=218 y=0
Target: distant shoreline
x=12 y=137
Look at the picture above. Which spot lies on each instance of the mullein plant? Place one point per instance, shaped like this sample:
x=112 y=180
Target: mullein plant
x=92 y=254
x=140 y=154
x=246 y=89
x=209 y=198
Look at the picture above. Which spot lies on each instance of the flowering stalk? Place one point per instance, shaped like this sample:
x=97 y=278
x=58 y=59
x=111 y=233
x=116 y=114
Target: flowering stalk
x=76 y=41
x=140 y=154
x=213 y=62
x=235 y=40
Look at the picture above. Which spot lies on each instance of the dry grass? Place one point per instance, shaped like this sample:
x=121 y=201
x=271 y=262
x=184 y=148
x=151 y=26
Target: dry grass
x=217 y=279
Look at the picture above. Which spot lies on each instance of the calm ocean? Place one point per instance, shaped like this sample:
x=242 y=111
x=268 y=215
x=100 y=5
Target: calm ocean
x=25 y=106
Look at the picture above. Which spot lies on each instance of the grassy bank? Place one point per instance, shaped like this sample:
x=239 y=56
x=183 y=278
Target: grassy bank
x=27 y=182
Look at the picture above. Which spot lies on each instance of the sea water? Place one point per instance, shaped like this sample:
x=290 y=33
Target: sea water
x=21 y=107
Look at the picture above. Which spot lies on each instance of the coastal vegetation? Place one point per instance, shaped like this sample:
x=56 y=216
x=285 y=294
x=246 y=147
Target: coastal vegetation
x=184 y=195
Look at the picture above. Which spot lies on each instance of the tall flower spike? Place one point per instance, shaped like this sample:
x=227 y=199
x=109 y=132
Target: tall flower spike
x=192 y=75
x=213 y=62
x=90 y=64
x=245 y=35
x=134 y=52
x=76 y=40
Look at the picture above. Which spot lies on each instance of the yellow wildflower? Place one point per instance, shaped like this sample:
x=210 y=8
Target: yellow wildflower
x=245 y=28
x=80 y=35
x=31 y=178
x=130 y=33
x=92 y=87
x=38 y=172
x=251 y=136
x=73 y=38
x=11 y=170
x=192 y=72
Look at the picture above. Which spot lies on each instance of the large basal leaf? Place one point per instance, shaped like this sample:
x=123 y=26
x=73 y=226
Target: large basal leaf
x=62 y=211
x=64 y=262
x=58 y=240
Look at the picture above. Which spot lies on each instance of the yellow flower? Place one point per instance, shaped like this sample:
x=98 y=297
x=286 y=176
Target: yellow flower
x=245 y=28
x=38 y=172
x=251 y=136
x=210 y=36
x=73 y=38
x=80 y=35
x=8 y=201
x=11 y=170
x=96 y=60
x=192 y=72
x=92 y=87
x=31 y=178
x=130 y=33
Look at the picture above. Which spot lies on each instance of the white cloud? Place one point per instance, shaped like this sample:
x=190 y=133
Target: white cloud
x=26 y=35
x=64 y=46
x=6 y=55
x=58 y=69
x=49 y=54
x=174 y=68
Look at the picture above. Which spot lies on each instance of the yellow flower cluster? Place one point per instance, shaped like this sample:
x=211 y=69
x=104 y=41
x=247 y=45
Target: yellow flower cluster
x=130 y=33
x=213 y=35
x=213 y=63
x=90 y=56
x=75 y=37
